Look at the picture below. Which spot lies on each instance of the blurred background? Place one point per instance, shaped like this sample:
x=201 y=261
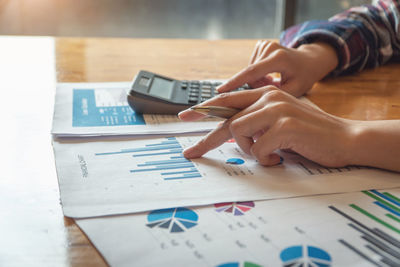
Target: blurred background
x=206 y=19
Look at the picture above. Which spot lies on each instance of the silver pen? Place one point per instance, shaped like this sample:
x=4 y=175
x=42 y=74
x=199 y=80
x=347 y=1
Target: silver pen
x=216 y=111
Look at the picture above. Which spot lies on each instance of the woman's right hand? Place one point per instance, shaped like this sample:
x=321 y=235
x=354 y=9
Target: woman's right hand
x=271 y=119
x=299 y=68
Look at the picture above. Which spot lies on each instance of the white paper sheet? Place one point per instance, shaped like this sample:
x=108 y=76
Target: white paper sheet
x=88 y=109
x=308 y=230
x=123 y=176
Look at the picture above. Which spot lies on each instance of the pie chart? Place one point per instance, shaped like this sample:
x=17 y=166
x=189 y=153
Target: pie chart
x=305 y=256
x=238 y=264
x=236 y=208
x=175 y=220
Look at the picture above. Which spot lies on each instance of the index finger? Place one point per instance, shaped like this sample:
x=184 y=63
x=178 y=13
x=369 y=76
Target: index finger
x=250 y=74
x=212 y=140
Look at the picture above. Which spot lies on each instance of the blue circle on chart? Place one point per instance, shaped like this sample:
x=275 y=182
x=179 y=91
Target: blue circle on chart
x=235 y=161
x=305 y=256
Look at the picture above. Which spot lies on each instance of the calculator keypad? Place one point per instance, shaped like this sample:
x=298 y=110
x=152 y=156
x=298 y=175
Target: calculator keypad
x=202 y=91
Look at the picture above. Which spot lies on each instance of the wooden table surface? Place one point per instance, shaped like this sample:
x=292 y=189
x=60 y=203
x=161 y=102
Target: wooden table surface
x=33 y=229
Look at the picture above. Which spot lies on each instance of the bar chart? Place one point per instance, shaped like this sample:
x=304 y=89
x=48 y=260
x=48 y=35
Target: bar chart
x=384 y=244
x=162 y=158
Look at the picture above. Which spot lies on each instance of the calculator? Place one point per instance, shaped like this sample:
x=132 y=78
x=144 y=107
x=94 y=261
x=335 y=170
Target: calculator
x=156 y=94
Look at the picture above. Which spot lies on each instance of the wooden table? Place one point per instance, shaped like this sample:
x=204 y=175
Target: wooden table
x=33 y=229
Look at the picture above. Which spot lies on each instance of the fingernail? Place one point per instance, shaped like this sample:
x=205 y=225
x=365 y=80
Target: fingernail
x=219 y=87
x=275 y=159
x=188 y=152
x=183 y=111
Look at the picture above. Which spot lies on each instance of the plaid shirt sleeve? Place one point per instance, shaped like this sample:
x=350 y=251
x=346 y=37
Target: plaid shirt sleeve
x=364 y=37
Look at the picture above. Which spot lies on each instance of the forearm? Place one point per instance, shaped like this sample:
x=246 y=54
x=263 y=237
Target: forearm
x=376 y=144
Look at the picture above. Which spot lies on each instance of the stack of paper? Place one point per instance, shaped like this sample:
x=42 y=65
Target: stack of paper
x=101 y=109
x=223 y=209
x=353 y=229
x=121 y=176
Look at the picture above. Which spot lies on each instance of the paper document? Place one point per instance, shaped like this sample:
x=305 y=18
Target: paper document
x=87 y=109
x=123 y=176
x=353 y=229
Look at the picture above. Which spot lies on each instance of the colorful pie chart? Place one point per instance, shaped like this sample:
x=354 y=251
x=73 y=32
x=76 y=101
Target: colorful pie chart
x=236 y=208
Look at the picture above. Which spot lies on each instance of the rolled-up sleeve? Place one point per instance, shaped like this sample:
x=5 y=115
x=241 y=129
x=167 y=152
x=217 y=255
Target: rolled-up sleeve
x=364 y=37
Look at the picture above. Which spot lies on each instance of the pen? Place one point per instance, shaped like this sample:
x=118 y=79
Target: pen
x=216 y=111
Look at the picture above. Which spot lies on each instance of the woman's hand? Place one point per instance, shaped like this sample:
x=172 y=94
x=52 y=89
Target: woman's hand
x=272 y=119
x=299 y=68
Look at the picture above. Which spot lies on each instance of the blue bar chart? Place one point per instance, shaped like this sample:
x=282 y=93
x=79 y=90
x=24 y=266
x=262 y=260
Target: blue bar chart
x=162 y=157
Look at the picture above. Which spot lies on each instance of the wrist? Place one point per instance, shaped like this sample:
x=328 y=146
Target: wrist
x=375 y=144
x=357 y=137
x=322 y=58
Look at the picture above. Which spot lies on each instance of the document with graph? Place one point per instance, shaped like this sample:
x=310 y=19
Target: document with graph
x=351 y=229
x=122 y=176
x=92 y=109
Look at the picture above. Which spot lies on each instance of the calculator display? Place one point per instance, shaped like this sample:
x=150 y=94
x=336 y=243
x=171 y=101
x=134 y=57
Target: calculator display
x=162 y=87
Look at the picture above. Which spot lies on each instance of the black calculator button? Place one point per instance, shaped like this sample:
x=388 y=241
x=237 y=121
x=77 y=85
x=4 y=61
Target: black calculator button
x=193 y=99
x=204 y=94
x=184 y=86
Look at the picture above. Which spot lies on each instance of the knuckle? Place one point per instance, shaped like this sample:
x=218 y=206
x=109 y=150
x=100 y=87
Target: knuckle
x=282 y=107
x=286 y=124
x=250 y=69
x=280 y=53
x=235 y=126
x=274 y=46
x=273 y=95
x=223 y=97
